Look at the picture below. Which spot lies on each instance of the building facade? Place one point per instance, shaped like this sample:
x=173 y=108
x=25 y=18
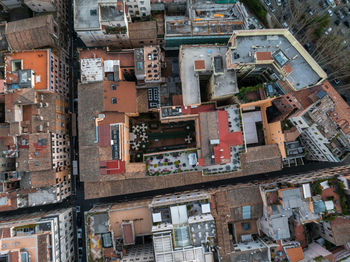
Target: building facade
x=38 y=237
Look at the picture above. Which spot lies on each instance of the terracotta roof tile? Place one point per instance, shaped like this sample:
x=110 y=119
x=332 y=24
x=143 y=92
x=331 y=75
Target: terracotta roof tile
x=295 y=254
x=261 y=56
x=199 y=65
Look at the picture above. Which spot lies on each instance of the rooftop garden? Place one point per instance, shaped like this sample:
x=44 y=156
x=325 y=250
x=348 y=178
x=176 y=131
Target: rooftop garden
x=170 y=163
x=249 y=93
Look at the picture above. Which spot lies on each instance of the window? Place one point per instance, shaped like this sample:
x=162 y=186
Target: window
x=113 y=87
x=93 y=12
x=16 y=65
x=114 y=100
x=245 y=226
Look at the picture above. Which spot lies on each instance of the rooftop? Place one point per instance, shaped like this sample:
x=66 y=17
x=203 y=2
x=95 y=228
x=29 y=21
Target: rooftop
x=35 y=60
x=24 y=34
x=225 y=84
x=301 y=71
x=87 y=13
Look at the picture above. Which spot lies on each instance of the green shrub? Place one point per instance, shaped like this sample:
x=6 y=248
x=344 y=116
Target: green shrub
x=257 y=8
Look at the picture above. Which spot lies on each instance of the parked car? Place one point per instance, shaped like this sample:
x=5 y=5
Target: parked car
x=336 y=81
x=77 y=208
x=310 y=11
x=79 y=233
x=267 y=2
x=347 y=24
x=337 y=22
x=285 y=2
x=330 y=12
x=340 y=14
x=308 y=47
x=331 y=3
x=279 y=2
x=328 y=31
x=346 y=11
x=272 y=8
x=285 y=25
x=324 y=4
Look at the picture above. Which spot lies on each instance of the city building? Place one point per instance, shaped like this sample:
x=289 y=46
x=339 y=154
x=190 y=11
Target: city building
x=205 y=62
x=196 y=22
x=59 y=10
x=335 y=231
x=148 y=64
x=150 y=140
x=34 y=32
x=277 y=55
x=144 y=33
x=237 y=212
x=34 y=131
x=321 y=118
x=176 y=227
x=100 y=23
x=38 y=237
x=139 y=8
x=11 y=4
x=41 y=70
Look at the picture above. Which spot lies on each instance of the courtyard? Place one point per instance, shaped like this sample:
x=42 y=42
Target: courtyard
x=149 y=135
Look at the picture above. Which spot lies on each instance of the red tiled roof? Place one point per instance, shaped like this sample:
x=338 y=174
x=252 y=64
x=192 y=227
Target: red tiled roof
x=288 y=69
x=128 y=235
x=200 y=161
x=2 y=82
x=199 y=64
x=104 y=135
x=199 y=109
x=110 y=167
x=226 y=138
x=342 y=109
x=263 y=56
x=295 y=254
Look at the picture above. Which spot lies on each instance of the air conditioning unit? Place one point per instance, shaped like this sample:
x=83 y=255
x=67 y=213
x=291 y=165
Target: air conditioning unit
x=47 y=124
x=41 y=105
x=40 y=128
x=46 y=104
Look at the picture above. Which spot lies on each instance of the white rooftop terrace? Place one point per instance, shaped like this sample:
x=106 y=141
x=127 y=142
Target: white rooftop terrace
x=225 y=84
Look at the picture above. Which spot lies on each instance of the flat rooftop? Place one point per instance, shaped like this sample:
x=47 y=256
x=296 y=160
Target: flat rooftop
x=86 y=15
x=225 y=84
x=302 y=70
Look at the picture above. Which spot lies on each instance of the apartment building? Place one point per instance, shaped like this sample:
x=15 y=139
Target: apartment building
x=99 y=23
x=38 y=237
x=34 y=128
x=198 y=22
x=35 y=32
x=176 y=227
x=44 y=71
x=59 y=10
x=139 y=8
x=321 y=117
x=11 y=4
